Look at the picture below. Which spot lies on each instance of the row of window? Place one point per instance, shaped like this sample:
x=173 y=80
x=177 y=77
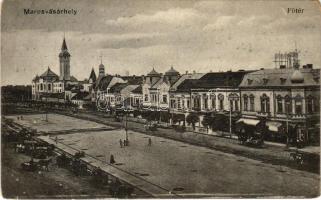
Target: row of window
x=154 y=98
x=48 y=87
x=180 y=103
x=283 y=105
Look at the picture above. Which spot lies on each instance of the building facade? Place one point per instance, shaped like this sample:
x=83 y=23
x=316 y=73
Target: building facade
x=286 y=99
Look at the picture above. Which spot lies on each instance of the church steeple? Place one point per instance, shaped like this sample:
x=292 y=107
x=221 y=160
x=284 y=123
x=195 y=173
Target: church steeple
x=64 y=45
x=101 y=67
x=64 y=58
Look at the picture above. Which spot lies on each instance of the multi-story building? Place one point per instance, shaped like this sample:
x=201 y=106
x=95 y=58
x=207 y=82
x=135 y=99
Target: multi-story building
x=286 y=99
x=180 y=94
x=156 y=88
x=212 y=93
x=49 y=86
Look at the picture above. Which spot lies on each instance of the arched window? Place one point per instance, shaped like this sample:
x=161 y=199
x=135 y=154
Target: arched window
x=245 y=102
x=213 y=101
x=298 y=104
x=234 y=101
x=221 y=101
x=279 y=104
x=265 y=103
x=288 y=104
x=251 y=102
x=196 y=102
x=205 y=101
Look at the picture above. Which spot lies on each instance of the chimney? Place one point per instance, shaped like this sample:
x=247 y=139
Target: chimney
x=186 y=72
x=194 y=72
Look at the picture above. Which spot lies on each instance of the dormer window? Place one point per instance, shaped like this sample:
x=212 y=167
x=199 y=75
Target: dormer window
x=265 y=81
x=282 y=80
x=249 y=81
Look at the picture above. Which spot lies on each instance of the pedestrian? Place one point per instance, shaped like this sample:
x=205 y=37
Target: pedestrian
x=56 y=139
x=121 y=143
x=112 y=159
x=125 y=143
x=149 y=142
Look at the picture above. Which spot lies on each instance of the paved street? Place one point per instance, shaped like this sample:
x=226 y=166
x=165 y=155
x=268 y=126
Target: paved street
x=188 y=169
x=191 y=169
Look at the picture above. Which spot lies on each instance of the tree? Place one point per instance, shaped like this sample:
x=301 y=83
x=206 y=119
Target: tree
x=136 y=113
x=192 y=118
x=164 y=116
x=220 y=123
x=178 y=118
x=207 y=121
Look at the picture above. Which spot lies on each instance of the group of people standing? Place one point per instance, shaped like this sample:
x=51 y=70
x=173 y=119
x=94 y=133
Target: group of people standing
x=123 y=143
x=126 y=142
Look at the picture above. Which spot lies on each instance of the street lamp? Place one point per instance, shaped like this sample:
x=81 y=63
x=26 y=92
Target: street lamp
x=126 y=128
x=231 y=99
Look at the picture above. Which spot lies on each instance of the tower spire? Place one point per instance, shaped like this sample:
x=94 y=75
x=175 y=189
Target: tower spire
x=64 y=44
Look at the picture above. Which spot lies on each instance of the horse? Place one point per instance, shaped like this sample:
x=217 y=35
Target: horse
x=44 y=163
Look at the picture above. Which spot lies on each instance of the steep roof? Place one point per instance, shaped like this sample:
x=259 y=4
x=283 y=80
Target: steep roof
x=161 y=81
x=64 y=50
x=138 y=90
x=117 y=87
x=184 y=77
x=153 y=73
x=103 y=82
x=213 y=80
x=92 y=75
x=49 y=73
x=288 y=77
x=128 y=89
x=187 y=85
x=64 y=45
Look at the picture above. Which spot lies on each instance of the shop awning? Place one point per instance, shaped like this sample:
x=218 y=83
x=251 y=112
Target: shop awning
x=274 y=126
x=252 y=122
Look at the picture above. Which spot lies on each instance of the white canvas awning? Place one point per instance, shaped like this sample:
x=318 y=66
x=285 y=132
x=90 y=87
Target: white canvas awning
x=252 y=122
x=274 y=126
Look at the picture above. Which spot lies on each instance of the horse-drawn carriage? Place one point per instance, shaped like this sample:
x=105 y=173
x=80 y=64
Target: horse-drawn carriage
x=37 y=164
x=308 y=157
x=151 y=127
x=35 y=149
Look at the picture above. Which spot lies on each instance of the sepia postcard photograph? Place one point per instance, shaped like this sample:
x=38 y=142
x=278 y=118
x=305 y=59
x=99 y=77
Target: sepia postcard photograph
x=164 y=99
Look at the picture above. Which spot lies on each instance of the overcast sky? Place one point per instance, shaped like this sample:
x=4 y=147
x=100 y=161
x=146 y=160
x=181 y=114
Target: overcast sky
x=138 y=35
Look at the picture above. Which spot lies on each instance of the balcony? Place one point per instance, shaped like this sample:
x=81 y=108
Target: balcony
x=263 y=114
x=298 y=116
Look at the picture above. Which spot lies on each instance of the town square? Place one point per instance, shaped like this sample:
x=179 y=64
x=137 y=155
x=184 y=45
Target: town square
x=160 y=99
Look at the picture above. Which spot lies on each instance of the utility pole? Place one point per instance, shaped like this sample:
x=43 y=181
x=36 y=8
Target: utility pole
x=231 y=122
x=46 y=109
